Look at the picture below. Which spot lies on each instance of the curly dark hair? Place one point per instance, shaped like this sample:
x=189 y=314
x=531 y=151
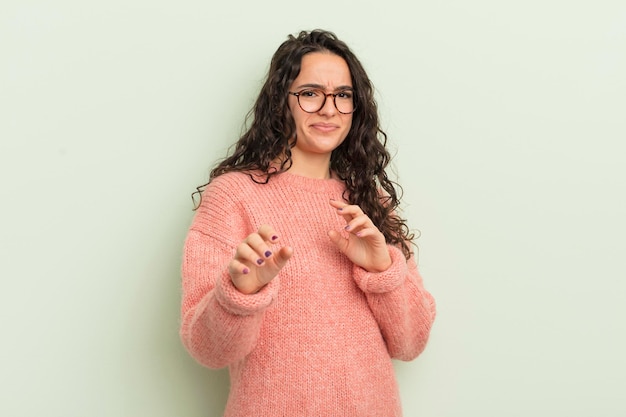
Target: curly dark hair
x=359 y=161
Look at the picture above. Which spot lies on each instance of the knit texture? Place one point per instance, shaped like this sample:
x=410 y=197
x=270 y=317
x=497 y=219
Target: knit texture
x=318 y=339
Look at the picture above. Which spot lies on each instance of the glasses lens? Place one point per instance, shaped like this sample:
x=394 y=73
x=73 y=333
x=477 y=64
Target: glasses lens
x=344 y=101
x=312 y=101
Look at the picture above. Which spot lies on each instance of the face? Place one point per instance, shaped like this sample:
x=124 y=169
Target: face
x=319 y=133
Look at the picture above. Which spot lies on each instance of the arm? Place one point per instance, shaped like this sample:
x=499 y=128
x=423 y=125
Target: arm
x=403 y=308
x=220 y=325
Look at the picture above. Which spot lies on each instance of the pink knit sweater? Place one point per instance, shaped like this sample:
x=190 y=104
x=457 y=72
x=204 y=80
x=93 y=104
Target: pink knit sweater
x=318 y=339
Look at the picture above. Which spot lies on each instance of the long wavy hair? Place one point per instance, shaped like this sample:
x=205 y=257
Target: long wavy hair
x=359 y=161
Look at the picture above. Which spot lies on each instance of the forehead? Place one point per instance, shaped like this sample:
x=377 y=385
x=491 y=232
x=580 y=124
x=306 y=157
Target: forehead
x=325 y=69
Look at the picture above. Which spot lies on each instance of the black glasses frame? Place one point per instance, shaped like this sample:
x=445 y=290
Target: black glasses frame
x=326 y=95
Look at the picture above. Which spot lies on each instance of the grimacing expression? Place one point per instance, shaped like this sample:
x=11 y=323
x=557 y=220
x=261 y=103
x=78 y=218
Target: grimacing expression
x=320 y=132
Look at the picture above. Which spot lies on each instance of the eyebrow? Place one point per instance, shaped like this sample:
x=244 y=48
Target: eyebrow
x=321 y=87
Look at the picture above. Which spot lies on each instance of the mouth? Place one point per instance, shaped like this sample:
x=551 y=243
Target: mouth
x=324 y=127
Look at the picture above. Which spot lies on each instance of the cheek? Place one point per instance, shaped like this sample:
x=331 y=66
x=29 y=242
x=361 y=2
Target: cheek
x=292 y=108
x=303 y=120
x=348 y=124
x=296 y=119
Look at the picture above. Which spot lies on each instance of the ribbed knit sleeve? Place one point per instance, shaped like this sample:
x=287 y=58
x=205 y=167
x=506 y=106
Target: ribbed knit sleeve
x=404 y=310
x=220 y=325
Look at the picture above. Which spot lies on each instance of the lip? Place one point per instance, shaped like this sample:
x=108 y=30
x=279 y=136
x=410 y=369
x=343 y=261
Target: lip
x=324 y=127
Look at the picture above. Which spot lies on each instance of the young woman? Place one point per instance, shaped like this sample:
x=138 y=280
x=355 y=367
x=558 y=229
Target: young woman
x=297 y=272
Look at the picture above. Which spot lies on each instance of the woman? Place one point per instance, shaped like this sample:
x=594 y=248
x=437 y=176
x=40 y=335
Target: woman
x=297 y=271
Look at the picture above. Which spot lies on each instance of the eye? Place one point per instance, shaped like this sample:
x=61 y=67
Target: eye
x=347 y=94
x=309 y=93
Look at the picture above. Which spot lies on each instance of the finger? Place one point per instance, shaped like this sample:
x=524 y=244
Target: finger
x=338 y=203
x=346 y=208
x=341 y=206
x=247 y=255
x=366 y=232
x=268 y=233
x=358 y=223
x=282 y=256
x=256 y=242
x=236 y=268
x=347 y=211
x=338 y=240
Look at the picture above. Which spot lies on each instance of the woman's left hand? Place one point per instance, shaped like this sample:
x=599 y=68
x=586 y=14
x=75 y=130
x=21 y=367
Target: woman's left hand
x=365 y=244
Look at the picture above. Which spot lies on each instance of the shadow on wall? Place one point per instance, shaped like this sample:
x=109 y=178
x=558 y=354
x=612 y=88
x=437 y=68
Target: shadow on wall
x=168 y=376
x=203 y=391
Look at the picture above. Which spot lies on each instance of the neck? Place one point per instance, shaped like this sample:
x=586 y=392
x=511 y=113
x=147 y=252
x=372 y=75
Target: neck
x=311 y=166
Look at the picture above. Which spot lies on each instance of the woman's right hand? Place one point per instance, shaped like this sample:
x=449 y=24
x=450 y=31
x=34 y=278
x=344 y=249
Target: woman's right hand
x=254 y=263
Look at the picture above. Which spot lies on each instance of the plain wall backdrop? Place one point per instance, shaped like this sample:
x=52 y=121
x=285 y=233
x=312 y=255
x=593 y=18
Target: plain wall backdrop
x=507 y=122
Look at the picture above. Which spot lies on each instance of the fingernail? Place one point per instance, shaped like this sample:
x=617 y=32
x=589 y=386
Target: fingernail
x=259 y=261
x=268 y=254
x=274 y=237
x=246 y=271
x=347 y=227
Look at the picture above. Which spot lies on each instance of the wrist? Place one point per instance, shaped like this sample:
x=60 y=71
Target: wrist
x=380 y=266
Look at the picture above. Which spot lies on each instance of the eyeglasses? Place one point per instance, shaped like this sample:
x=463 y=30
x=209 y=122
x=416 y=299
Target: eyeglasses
x=312 y=101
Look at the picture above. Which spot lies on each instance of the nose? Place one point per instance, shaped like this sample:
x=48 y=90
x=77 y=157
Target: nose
x=329 y=105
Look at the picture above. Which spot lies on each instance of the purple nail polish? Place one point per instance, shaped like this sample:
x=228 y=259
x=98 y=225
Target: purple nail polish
x=274 y=237
x=268 y=254
x=246 y=271
x=347 y=227
x=259 y=261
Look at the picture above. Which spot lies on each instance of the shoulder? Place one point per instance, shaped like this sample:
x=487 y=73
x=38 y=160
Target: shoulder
x=231 y=182
x=222 y=213
x=224 y=192
x=232 y=190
